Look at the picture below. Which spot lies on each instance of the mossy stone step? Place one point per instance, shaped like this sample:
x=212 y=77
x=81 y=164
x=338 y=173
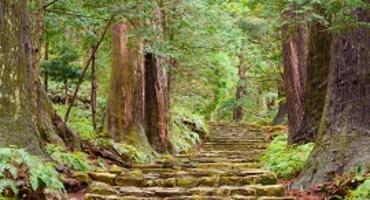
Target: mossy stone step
x=240 y=142
x=223 y=191
x=186 y=178
x=236 y=197
x=216 y=160
x=167 y=173
x=189 y=181
x=225 y=168
x=204 y=153
x=169 y=166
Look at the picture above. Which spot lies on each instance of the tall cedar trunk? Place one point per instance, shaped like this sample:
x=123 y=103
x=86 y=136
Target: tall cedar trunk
x=344 y=136
x=125 y=111
x=27 y=119
x=318 y=62
x=295 y=37
x=156 y=103
x=157 y=92
x=238 y=114
x=94 y=86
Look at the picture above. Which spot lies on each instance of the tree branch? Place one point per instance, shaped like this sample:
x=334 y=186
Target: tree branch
x=62 y=12
x=94 y=50
x=50 y=4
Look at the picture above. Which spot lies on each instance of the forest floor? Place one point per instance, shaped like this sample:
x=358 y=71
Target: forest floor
x=225 y=167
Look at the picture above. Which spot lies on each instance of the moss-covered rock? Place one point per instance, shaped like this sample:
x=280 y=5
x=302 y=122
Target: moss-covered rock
x=187 y=182
x=100 y=188
x=104 y=177
x=82 y=177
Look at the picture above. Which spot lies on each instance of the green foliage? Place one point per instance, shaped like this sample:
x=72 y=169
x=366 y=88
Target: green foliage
x=63 y=67
x=136 y=154
x=80 y=121
x=286 y=161
x=40 y=174
x=362 y=192
x=75 y=160
x=181 y=136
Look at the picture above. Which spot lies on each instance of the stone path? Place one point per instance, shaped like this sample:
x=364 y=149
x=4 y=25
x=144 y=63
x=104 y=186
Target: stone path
x=225 y=169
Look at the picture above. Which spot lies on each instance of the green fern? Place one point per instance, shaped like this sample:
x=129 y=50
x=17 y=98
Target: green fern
x=41 y=175
x=362 y=192
x=75 y=160
x=8 y=184
x=283 y=159
x=6 y=167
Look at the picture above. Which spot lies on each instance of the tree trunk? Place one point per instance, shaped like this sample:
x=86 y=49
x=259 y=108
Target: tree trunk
x=46 y=75
x=280 y=115
x=94 y=86
x=125 y=111
x=318 y=62
x=283 y=108
x=156 y=103
x=238 y=114
x=344 y=134
x=295 y=38
x=26 y=114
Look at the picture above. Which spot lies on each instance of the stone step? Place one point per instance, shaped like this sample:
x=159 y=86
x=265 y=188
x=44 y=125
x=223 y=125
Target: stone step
x=190 y=181
x=223 y=191
x=226 y=168
x=216 y=160
x=223 y=165
x=220 y=157
x=235 y=197
x=225 y=153
x=236 y=141
x=233 y=147
x=237 y=137
x=186 y=178
x=210 y=149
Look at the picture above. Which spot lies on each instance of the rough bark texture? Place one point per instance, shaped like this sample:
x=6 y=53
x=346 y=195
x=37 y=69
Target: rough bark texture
x=46 y=75
x=94 y=87
x=318 y=62
x=26 y=114
x=295 y=37
x=238 y=114
x=344 y=136
x=125 y=110
x=156 y=103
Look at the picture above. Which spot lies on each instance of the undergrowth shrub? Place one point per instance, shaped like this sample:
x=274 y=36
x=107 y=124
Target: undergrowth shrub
x=285 y=160
x=75 y=160
x=22 y=173
x=136 y=154
x=181 y=136
x=80 y=121
x=362 y=192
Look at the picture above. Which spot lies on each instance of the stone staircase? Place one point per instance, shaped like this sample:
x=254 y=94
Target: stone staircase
x=226 y=168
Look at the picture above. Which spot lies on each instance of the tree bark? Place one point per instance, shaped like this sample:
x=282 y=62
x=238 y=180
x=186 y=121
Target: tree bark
x=318 y=62
x=26 y=114
x=295 y=37
x=94 y=86
x=280 y=115
x=125 y=111
x=46 y=75
x=238 y=114
x=156 y=103
x=344 y=134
